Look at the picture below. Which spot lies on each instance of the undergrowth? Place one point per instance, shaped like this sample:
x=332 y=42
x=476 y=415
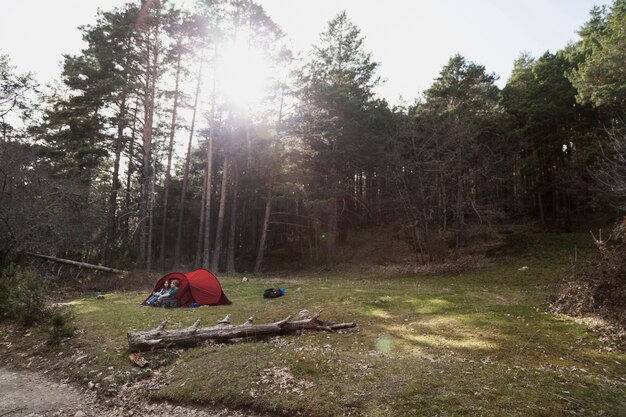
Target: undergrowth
x=22 y=295
x=598 y=287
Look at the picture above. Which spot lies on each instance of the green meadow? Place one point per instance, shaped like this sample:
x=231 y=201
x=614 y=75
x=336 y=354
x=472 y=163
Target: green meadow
x=482 y=343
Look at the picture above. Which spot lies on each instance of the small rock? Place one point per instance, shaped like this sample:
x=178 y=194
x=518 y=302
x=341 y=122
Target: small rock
x=244 y=279
x=80 y=413
x=304 y=313
x=298 y=289
x=91 y=385
x=100 y=296
x=524 y=268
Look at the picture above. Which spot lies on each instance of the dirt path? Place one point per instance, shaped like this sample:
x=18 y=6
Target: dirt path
x=24 y=393
x=33 y=394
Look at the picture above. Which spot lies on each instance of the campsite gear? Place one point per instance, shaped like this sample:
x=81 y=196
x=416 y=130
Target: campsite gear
x=272 y=293
x=169 y=303
x=199 y=286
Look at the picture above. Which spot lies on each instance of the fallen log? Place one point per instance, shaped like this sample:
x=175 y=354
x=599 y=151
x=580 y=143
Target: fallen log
x=82 y=265
x=224 y=331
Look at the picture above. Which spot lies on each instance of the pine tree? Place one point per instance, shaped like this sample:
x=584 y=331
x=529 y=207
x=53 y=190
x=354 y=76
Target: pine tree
x=335 y=93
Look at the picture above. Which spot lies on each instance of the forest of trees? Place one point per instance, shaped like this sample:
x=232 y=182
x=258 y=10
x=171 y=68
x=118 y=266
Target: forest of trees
x=139 y=157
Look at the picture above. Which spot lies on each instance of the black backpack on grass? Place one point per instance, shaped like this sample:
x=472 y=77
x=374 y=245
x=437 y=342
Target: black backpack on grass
x=272 y=293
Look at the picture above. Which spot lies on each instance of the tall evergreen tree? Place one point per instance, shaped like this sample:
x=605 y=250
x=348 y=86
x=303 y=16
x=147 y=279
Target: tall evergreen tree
x=335 y=93
x=448 y=167
x=601 y=77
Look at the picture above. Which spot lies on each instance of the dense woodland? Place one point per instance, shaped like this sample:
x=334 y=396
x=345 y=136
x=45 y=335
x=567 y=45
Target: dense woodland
x=139 y=157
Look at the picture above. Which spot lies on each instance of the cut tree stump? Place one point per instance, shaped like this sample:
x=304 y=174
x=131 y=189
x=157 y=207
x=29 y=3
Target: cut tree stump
x=223 y=332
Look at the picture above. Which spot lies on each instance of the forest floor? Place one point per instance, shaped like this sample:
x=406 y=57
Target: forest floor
x=482 y=342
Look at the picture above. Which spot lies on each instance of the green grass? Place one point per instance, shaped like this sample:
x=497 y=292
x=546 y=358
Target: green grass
x=480 y=343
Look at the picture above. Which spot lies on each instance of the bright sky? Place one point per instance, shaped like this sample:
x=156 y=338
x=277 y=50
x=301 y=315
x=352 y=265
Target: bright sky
x=412 y=39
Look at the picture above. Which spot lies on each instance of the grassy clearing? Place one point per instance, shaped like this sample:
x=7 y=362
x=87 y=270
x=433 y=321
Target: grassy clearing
x=479 y=343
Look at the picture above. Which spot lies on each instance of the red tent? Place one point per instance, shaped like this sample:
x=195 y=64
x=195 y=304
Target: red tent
x=199 y=286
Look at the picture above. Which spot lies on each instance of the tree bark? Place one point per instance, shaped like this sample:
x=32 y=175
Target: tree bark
x=198 y=261
x=260 y=254
x=150 y=220
x=219 y=232
x=183 y=192
x=332 y=232
x=129 y=177
x=206 y=213
x=223 y=332
x=230 y=259
x=170 y=149
x=115 y=182
x=147 y=175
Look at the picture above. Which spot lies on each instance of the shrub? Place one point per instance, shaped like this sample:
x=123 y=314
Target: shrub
x=21 y=295
x=60 y=327
x=598 y=287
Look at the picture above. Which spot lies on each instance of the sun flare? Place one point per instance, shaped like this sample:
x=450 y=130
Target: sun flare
x=244 y=73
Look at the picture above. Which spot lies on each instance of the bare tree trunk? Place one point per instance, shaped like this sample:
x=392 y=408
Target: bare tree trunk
x=219 y=232
x=206 y=252
x=223 y=332
x=115 y=182
x=166 y=186
x=206 y=214
x=150 y=221
x=332 y=232
x=198 y=261
x=379 y=206
x=540 y=205
x=183 y=192
x=150 y=93
x=129 y=177
x=260 y=254
x=230 y=259
x=459 y=211
x=145 y=167
x=332 y=217
x=266 y=220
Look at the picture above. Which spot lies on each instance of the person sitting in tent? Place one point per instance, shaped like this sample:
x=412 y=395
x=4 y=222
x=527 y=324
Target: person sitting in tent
x=167 y=299
x=196 y=288
x=155 y=294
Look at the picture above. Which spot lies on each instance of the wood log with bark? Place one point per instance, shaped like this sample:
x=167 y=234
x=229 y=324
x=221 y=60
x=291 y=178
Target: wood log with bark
x=224 y=332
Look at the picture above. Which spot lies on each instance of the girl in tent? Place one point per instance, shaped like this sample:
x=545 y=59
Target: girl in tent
x=155 y=295
x=167 y=299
